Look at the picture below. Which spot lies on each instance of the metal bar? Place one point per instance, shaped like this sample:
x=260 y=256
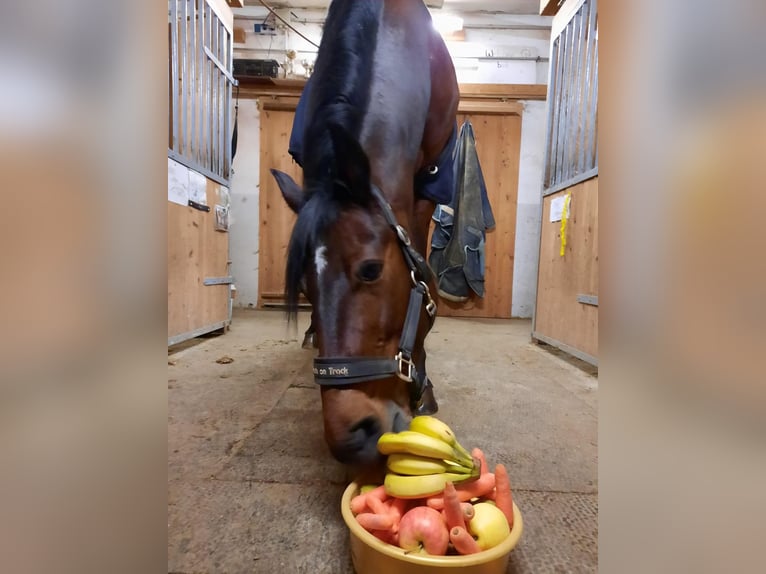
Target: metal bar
x=174 y=67
x=208 y=90
x=198 y=78
x=218 y=280
x=571 y=100
x=184 y=103
x=566 y=348
x=198 y=167
x=593 y=112
x=591 y=173
x=588 y=299
x=586 y=121
x=579 y=117
x=218 y=64
x=193 y=58
x=222 y=103
x=566 y=54
x=556 y=104
x=549 y=118
x=175 y=339
x=216 y=97
x=229 y=93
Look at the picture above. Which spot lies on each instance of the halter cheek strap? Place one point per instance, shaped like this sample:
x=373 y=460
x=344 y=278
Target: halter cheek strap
x=342 y=371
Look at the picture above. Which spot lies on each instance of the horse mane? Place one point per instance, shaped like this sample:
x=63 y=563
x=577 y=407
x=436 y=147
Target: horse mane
x=339 y=95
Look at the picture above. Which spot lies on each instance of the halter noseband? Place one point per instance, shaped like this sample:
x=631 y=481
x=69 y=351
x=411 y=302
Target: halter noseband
x=342 y=371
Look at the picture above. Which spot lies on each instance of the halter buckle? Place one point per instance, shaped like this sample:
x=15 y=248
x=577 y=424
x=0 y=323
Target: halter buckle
x=401 y=362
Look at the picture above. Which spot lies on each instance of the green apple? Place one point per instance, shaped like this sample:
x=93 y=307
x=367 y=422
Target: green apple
x=488 y=526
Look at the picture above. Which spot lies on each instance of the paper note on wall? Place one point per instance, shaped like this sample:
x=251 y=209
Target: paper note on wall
x=557 y=208
x=197 y=187
x=178 y=183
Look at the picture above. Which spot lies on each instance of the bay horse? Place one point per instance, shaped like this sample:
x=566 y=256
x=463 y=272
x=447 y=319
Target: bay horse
x=381 y=110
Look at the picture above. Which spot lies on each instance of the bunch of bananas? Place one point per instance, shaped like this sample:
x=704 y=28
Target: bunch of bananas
x=424 y=458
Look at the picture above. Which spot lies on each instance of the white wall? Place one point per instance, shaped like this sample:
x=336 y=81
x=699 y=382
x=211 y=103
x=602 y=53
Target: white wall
x=245 y=217
x=533 y=122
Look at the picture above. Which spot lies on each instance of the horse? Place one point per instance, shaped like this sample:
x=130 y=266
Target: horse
x=381 y=112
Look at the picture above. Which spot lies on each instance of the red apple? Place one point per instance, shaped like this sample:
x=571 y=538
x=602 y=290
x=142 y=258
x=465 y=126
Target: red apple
x=422 y=529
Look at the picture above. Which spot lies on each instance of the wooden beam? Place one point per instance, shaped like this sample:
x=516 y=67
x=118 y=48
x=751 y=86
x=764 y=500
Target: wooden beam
x=549 y=7
x=504 y=91
x=258 y=87
x=489 y=107
x=236 y=3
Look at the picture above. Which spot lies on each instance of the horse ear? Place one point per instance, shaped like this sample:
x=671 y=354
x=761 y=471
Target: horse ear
x=351 y=164
x=291 y=191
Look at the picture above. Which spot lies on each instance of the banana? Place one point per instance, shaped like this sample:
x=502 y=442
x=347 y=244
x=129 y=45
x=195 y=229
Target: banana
x=433 y=427
x=408 y=442
x=414 y=465
x=421 y=486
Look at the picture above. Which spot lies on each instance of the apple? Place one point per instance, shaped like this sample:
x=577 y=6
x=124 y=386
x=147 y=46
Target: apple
x=488 y=526
x=422 y=529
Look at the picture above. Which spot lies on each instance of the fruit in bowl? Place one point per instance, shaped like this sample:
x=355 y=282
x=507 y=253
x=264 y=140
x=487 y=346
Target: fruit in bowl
x=435 y=499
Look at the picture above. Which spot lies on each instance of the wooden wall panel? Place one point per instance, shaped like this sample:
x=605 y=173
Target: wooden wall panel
x=558 y=314
x=276 y=219
x=498 y=141
x=196 y=251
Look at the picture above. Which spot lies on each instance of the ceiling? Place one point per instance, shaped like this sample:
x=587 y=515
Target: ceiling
x=463 y=6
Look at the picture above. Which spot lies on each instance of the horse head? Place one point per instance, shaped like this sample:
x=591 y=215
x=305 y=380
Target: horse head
x=348 y=259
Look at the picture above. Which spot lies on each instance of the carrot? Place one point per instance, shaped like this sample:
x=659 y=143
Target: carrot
x=397 y=507
x=360 y=502
x=503 y=496
x=463 y=541
x=468 y=512
x=466 y=508
x=466 y=491
x=378 y=492
x=478 y=453
x=376 y=505
x=370 y=521
x=453 y=514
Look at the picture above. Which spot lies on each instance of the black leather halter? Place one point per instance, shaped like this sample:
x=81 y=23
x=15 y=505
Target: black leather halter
x=342 y=371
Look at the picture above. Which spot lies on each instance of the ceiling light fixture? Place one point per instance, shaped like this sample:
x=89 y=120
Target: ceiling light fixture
x=447 y=24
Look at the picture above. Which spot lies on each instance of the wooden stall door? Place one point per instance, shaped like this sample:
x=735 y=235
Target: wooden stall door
x=498 y=141
x=196 y=252
x=276 y=218
x=563 y=315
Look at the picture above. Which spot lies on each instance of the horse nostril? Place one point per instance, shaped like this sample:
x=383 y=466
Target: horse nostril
x=400 y=422
x=362 y=443
x=368 y=426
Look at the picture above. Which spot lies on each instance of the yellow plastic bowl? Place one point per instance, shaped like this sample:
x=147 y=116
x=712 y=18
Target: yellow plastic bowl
x=373 y=556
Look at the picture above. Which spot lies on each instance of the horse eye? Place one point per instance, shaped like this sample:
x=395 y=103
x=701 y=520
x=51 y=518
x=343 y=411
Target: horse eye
x=370 y=271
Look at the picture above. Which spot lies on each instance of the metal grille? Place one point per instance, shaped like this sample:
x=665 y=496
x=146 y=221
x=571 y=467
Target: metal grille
x=572 y=146
x=201 y=83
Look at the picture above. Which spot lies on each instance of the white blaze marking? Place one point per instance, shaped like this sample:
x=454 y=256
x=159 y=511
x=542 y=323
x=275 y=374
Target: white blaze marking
x=320 y=261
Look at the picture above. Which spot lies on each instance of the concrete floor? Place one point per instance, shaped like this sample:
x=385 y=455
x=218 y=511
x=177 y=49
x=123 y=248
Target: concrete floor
x=252 y=487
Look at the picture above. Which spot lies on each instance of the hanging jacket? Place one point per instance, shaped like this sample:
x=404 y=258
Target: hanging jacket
x=457 y=244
